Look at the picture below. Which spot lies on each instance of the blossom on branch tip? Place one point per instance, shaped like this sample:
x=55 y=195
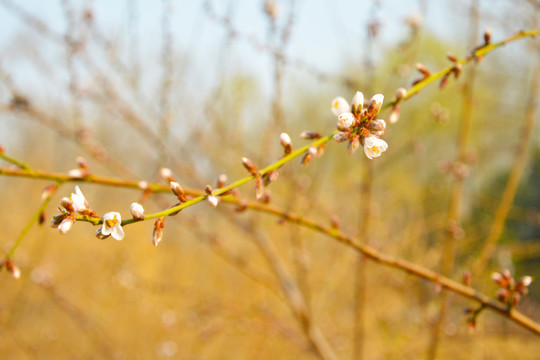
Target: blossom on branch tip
x=112 y=225
x=374 y=147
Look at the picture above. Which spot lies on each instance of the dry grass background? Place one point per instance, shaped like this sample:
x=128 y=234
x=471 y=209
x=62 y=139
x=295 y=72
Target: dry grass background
x=194 y=296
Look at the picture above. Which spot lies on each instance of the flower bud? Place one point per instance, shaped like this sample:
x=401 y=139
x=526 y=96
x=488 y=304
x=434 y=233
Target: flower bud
x=334 y=221
x=452 y=57
x=394 y=116
x=166 y=174
x=400 y=94
x=66 y=224
x=47 y=192
x=423 y=69
x=248 y=164
x=42 y=218
x=345 y=121
x=499 y=279
x=487 y=36
x=310 y=135
x=67 y=204
x=467 y=277
x=222 y=180
x=157 y=234
x=143 y=185
x=375 y=105
x=270 y=177
x=286 y=142
x=178 y=191
x=57 y=220
x=266 y=196
x=523 y=284
x=212 y=200
x=78 y=173
x=12 y=268
x=354 y=144
x=259 y=188
x=341 y=137
x=357 y=104
x=377 y=125
x=137 y=211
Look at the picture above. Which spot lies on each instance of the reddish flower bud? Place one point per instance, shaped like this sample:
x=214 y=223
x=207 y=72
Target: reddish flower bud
x=286 y=142
x=487 y=37
x=178 y=191
x=157 y=234
x=47 y=192
x=67 y=204
x=222 y=180
x=451 y=57
x=423 y=69
x=12 y=268
x=467 y=278
x=166 y=174
x=310 y=135
x=248 y=164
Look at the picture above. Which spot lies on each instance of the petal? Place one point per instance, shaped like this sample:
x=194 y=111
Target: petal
x=357 y=103
x=78 y=191
x=105 y=230
x=340 y=105
x=117 y=232
x=368 y=152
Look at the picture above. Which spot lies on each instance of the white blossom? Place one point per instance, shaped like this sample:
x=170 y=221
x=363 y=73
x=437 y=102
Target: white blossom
x=112 y=225
x=374 y=147
x=79 y=202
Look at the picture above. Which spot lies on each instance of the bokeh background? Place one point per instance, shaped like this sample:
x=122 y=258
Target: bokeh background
x=133 y=86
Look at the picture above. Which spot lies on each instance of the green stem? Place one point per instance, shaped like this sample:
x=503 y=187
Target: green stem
x=32 y=221
x=223 y=190
x=20 y=164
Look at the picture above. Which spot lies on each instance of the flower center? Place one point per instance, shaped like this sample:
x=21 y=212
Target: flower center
x=375 y=149
x=111 y=222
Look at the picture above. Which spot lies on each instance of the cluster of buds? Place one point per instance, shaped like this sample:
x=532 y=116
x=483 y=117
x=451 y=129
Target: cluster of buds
x=456 y=70
x=11 y=267
x=510 y=292
x=359 y=126
x=76 y=206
